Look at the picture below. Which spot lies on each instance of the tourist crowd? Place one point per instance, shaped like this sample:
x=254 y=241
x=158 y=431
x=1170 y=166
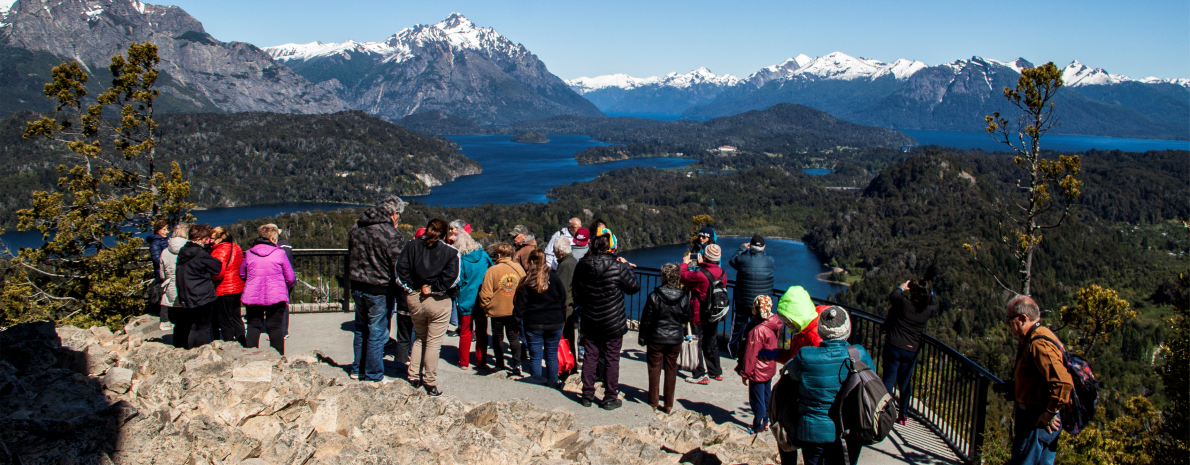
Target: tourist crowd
x=545 y=312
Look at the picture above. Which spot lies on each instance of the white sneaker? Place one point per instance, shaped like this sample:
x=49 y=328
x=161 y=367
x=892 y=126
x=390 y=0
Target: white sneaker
x=701 y=380
x=166 y=326
x=354 y=375
x=387 y=379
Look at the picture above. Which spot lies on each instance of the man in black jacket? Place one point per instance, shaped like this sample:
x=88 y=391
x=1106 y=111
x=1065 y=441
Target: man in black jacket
x=600 y=281
x=373 y=247
x=196 y=289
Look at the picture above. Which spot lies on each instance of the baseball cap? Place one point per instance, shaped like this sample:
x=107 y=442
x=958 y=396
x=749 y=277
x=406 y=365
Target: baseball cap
x=581 y=237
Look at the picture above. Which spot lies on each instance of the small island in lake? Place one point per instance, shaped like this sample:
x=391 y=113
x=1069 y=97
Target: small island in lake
x=530 y=138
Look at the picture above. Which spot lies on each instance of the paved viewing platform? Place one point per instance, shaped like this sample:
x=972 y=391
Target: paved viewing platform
x=724 y=401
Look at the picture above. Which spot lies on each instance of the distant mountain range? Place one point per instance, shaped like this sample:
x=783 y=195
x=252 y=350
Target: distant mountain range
x=453 y=66
x=904 y=94
x=199 y=72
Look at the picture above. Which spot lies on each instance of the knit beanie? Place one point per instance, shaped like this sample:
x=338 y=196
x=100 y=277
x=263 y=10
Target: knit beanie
x=712 y=252
x=796 y=309
x=762 y=305
x=834 y=323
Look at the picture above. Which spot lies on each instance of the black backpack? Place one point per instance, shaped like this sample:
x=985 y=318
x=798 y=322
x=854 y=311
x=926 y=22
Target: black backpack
x=717 y=301
x=863 y=410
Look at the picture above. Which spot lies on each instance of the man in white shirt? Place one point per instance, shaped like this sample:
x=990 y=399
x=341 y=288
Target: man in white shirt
x=566 y=233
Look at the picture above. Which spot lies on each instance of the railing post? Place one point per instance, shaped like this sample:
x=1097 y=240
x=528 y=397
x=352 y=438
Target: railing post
x=346 y=282
x=981 y=413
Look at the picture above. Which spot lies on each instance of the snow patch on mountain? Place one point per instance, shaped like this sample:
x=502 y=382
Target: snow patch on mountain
x=699 y=76
x=1077 y=74
x=5 y=5
x=456 y=31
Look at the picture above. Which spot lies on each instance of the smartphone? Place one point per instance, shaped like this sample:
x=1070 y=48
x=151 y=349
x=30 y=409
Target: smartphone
x=693 y=257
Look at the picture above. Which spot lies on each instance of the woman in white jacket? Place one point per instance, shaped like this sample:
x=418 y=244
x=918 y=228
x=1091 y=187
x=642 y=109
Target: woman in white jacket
x=169 y=269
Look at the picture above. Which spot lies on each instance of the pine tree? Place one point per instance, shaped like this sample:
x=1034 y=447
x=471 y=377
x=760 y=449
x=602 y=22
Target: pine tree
x=91 y=268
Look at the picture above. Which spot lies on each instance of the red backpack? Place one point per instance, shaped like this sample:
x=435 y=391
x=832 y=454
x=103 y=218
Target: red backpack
x=566 y=362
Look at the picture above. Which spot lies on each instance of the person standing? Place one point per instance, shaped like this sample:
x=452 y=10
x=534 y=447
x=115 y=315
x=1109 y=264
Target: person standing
x=288 y=249
x=373 y=246
x=456 y=226
x=540 y=305
x=496 y=297
x=661 y=331
x=267 y=276
x=230 y=286
x=698 y=279
x=581 y=243
x=758 y=363
x=428 y=270
x=565 y=235
x=820 y=372
x=474 y=264
x=600 y=281
x=706 y=236
x=527 y=246
x=753 y=277
x=158 y=241
x=566 y=264
x=910 y=306
x=797 y=311
x=1041 y=385
x=171 y=307
x=196 y=289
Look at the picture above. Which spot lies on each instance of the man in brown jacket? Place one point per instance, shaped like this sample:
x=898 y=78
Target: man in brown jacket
x=495 y=298
x=1041 y=385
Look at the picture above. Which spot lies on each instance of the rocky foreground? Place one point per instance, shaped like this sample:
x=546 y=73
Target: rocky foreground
x=71 y=395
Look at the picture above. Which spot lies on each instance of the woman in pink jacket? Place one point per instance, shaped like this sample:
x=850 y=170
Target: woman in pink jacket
x=267 y=278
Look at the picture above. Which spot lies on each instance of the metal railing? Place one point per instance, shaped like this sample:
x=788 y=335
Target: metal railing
x=948 y=391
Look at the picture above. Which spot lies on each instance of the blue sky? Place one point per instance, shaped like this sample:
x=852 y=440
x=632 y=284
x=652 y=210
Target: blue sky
x=1137 y=38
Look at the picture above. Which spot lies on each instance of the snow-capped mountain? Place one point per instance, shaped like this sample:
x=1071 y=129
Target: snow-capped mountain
x=908 y=94
x=699 y=76
x=453 y=66
x=200 y=73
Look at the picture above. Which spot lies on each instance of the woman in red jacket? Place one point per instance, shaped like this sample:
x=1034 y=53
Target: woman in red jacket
x=229 y=287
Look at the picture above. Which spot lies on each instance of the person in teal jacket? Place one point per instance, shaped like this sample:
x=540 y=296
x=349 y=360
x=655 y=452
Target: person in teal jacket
x=820 y=373
x=474 y=263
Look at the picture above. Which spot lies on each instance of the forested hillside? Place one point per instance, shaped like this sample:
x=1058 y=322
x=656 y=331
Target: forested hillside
x=254 y=158
x=783 y=128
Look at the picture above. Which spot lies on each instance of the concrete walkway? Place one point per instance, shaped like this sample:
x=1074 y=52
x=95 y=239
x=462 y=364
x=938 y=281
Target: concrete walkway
x=725 y=401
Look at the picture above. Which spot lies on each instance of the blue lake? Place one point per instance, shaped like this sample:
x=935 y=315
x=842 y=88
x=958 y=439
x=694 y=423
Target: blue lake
x=796 y=264
x=515 y=173
x=1063 y=143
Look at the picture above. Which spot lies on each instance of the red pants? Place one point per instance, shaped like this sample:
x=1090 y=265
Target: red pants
x=465 y=342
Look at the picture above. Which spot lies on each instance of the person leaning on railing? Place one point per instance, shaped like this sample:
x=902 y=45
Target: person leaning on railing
x=1041 y=385
x=910 y=306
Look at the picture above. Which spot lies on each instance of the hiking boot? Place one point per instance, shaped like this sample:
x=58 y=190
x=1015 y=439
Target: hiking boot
x=585 y=401
x=612 y=403
x=433 y=391
x=700 y=380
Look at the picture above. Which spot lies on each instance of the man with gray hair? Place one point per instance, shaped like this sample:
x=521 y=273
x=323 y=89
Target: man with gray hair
x=1041 y=385
x=566 y=264
x=565 y=234
x=373 y=247
x=403 y=330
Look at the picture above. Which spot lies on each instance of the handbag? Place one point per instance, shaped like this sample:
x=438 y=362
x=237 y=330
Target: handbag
x=566 y=362
x=689 y=357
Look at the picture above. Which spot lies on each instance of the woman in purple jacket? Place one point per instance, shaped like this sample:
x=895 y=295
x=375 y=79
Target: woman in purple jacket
x=268 y=277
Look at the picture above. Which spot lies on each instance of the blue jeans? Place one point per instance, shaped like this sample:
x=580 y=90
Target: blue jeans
x=547 y=342
x=898 y=370
x=1030 y=444
x=371 y=333
x=758 y=397
x=740 y=317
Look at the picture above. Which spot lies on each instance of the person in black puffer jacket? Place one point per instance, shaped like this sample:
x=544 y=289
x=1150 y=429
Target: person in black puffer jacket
x=662 y=330
x=600 y=281
x=196 y=289
x=753 y=277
